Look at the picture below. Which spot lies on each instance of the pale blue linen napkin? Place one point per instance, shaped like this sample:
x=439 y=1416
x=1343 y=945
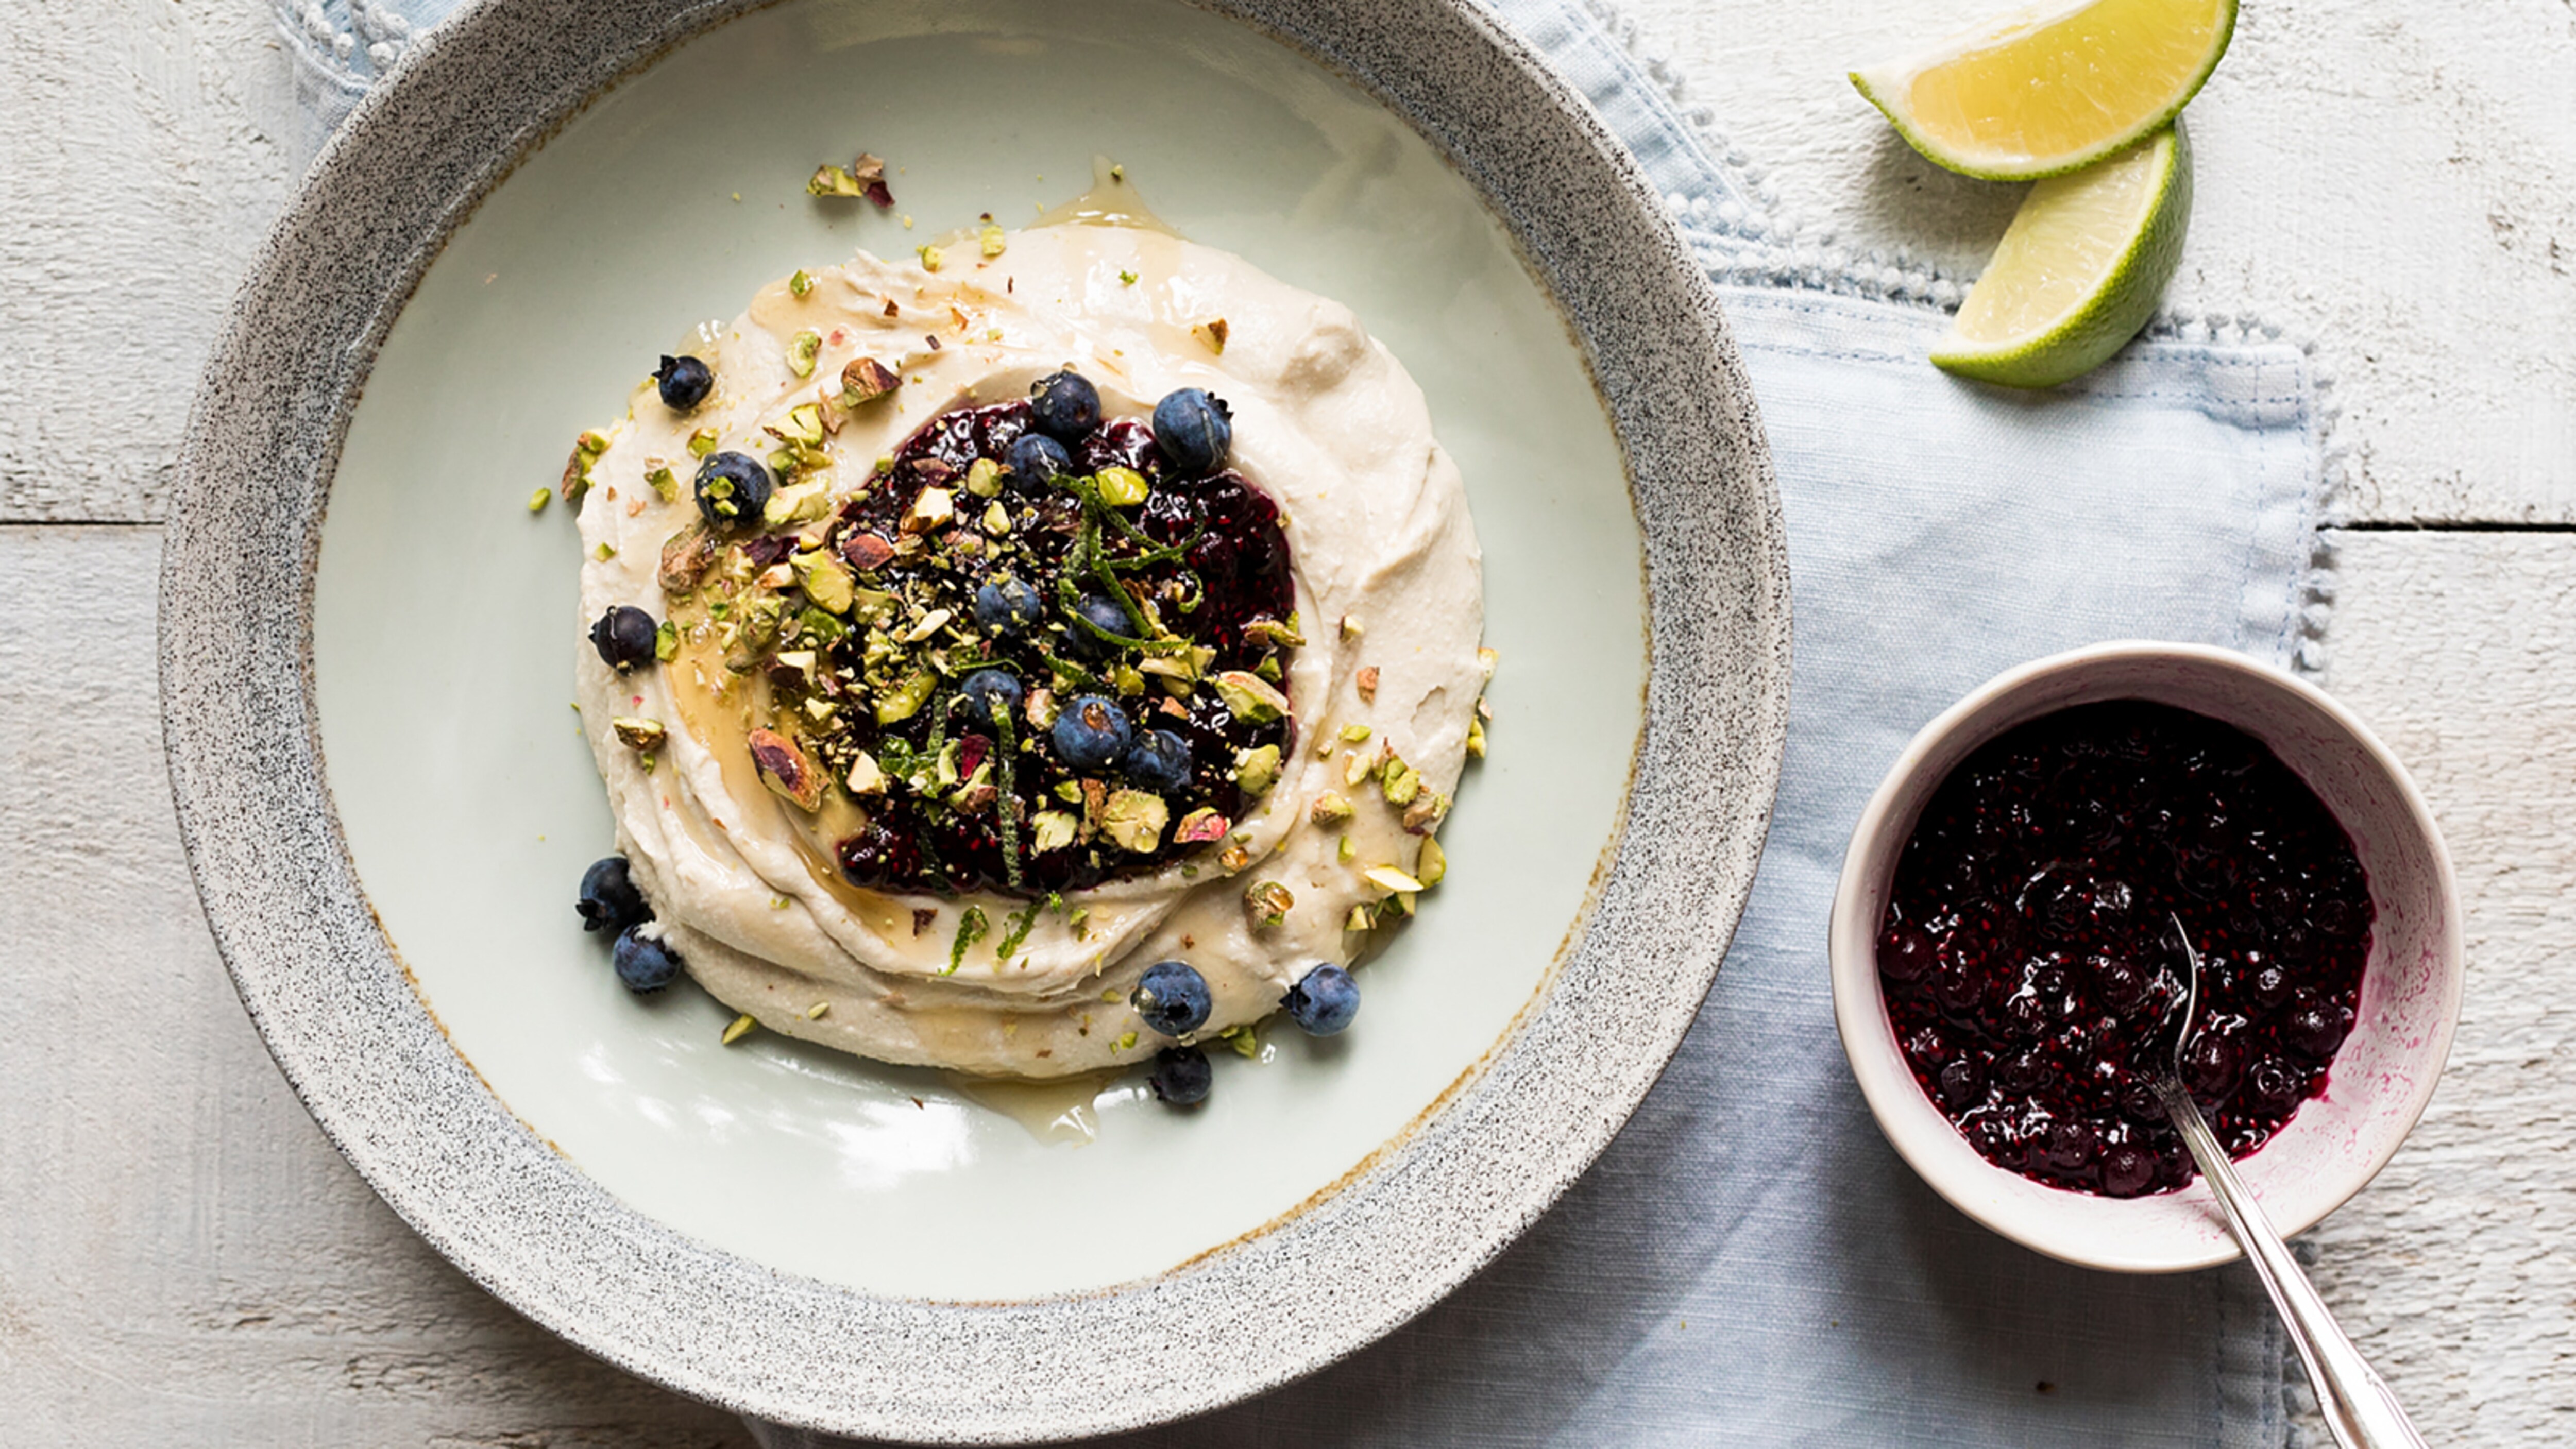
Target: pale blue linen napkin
x=1750 y=1263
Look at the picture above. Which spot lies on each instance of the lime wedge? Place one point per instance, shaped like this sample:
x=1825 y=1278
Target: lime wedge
x=2078 y=271
x=2053 y=88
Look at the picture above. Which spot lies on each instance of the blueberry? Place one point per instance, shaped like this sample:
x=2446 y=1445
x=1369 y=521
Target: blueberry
x=2127 y=1172
x=1325 y=1001
x=732 y=489
x=1961 y=1082
x=1091 y=732
x=644 y=963
x=609 y=901
x=1181 y=1076
x=1172 y=997
x=1008 y=605
x=1159 y=761
x=1103 y=612
x=1034 y=460
x=624 y=637
x=1194 y=429
x=989 y=690
x=1067 y=405
x=1905 y=952
x=685 y=382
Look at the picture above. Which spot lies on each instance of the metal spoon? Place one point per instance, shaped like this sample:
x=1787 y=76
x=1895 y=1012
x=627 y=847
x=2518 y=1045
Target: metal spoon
x=2358 y=1407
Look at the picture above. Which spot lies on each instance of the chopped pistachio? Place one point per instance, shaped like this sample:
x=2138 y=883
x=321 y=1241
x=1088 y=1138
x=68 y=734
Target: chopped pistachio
x=1121 y=487
x=984 y=478
x=865 y=776
x=538 y=500
x=931 y=257
x=1257 y=770
x=1269 y=669
x=826 y=582
x=1351 y=626
x=1200 y=826
x=1245 y=1040
x=739 y=1028
x=1400 y=783
x=1042 y=708
x=1366 y=682
x=604 y=552
x=800 y=283
x=1329 y=808
x=1250 y=697
x=907 y=698
x=1360 y=919
x=1267 y=903
x=1069 y=791
x=1357 y=767
x=803 y=425
x=1053 y=830
x=931 y=623
x=992 y=240
x=1126 y=1042
x=1127 y=679
x=863 y=381
x=830 y=180
x=1424 y=814
x=1213 y=333
x=931 y=508
x=1134 y=819
x=786 y=769
x=1486 y=659
x=1346 y=852
x=1234 y=857
x=664 y=483
x=818 y=1011
x=1283 y=635
x=702 y=442
x=666 y=641
x=1434 y=864
x=795 y=503
x=639 y=734
x=1127 y=277
x=997 y=519
x=1353 y=734
x=1387 y=877
x=1476 y=738
x=802 y=349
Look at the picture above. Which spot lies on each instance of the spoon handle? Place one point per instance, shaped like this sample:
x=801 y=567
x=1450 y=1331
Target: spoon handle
x=2358 y=1407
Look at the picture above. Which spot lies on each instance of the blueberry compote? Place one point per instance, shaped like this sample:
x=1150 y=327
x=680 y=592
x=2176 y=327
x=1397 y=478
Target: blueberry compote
x=2028 y=952
x=1025 y=681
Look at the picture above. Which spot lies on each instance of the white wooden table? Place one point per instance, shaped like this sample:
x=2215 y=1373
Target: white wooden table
x=184 y=1260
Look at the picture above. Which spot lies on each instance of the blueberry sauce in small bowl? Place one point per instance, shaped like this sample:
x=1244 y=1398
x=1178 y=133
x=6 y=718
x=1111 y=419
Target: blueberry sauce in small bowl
x=2003 y=945
x=2028 y=953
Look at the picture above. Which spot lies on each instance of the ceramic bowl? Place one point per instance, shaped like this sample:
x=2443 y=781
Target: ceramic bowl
x=368 y=641
x=2379 y=1081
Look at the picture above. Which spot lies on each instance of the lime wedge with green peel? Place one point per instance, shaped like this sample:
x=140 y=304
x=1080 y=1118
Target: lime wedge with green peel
x=2078 y=271
x=2054 y=88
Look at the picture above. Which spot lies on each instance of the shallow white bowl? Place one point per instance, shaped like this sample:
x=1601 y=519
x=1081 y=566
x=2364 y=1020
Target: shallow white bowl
x=2410 y=993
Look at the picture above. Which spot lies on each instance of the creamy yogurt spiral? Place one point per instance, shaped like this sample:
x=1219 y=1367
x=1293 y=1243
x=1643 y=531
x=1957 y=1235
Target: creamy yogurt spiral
x=1383 y=690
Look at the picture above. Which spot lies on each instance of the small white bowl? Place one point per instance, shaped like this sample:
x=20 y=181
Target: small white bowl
x=2410 y=991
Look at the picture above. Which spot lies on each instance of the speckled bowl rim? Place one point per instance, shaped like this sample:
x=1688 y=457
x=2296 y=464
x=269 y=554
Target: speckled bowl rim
x=333 y=1002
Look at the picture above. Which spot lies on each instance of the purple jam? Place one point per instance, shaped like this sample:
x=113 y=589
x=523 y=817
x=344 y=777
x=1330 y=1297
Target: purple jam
x=1206 y=554
x=2028 y=952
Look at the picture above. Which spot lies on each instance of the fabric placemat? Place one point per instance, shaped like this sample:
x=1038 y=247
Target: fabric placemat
x=1750 y=1263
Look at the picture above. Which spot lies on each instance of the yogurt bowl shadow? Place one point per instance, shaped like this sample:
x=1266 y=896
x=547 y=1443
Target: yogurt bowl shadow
x=2380 y=1079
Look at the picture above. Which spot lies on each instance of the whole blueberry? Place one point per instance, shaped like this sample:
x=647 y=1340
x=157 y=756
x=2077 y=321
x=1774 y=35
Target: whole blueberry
x=624 y=637
x=644 y=963
x=1034 y=460
x=1091 y=732
x=608 y=900
x=1067 y=405
x=2127 y=1172
x=1102 y=613
x=1008 y=605
x=732 y=489
x=1159 y=761
x=1195 y=430
x=1172 y=997
x=1181 y=1076
x=1324 y=1001
x=990 y=693
x=684 y=381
